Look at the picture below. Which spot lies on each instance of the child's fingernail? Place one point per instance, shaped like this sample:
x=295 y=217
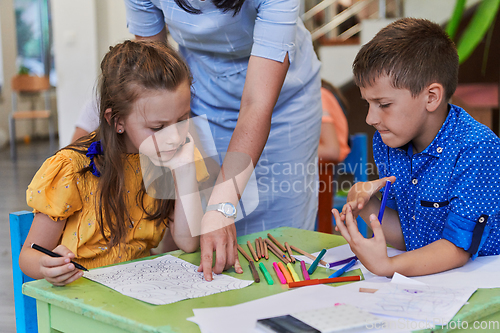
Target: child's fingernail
x=67 y=260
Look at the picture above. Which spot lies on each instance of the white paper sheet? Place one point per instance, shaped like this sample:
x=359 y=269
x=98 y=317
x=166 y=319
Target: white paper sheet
x=162 y=280
x=242 y=318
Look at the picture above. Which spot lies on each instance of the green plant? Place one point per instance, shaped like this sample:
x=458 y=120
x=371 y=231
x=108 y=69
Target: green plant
x=482 y=21
x=23 y=70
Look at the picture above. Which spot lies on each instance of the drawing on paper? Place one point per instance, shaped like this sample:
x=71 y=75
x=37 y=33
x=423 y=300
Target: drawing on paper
x=162 y=280
x=417 y=302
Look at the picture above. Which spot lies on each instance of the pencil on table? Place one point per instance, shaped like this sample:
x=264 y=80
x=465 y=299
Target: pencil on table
x=277 y=251
x=255 y=274
x=310 y=256
x=246 y=255
x=276 y=242
x=277 y=254
x=289 y=250
x=252 y=251
x=266 y=254
x=262 y=251
x=257 y=248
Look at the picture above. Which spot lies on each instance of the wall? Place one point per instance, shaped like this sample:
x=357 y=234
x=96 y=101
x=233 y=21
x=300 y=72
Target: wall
x=83 y=31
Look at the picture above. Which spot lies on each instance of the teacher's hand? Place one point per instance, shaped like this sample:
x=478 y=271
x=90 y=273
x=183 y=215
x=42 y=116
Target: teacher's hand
x=219 y=235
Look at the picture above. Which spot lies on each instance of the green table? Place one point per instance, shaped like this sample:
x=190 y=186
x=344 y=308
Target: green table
x=86 y=306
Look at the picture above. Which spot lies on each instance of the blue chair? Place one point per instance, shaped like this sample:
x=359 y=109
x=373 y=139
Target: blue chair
x=25 y=306
x=356 y=164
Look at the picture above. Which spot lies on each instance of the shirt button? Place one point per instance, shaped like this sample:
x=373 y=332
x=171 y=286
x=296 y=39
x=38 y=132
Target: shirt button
x=439 y=150
x=436 y=205
x=413 y=217
x=481 y=220
x=414 y=181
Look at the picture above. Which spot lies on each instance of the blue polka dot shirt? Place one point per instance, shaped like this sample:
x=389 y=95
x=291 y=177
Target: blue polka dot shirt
x=450 y=190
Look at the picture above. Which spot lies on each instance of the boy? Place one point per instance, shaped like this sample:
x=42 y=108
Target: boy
x=443 y=206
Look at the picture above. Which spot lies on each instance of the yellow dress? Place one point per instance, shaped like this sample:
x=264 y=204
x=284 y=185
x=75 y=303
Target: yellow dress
x=60 y=192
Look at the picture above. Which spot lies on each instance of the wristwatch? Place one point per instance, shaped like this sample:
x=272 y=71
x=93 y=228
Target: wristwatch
x=226 y=208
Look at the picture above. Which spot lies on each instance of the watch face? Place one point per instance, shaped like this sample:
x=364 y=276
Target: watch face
x=229 y=209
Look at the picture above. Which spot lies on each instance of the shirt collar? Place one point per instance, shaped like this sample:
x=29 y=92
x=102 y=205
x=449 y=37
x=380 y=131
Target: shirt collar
x=440 y=142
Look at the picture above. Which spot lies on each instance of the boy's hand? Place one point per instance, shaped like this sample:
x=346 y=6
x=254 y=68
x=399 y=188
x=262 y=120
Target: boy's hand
x=59 y=271
x=360 y=193
x=372 y=252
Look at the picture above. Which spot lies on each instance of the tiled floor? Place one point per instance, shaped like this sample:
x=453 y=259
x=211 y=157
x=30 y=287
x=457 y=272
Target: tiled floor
x=14 y=179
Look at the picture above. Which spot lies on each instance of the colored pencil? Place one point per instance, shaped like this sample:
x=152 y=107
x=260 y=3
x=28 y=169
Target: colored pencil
x=343 y=269
x=255 y=274
x=262 y=252
x=289 y=250
x=295 y=277
x=276 y=242
x=384 y=201
x=310 y=256
x=313 y=266
x=277 y=251
x=268 y=277
x=304 y=270
x=277 y=254
x=252 y=251
x=55 y=255
x=280 y=275
x=246 y=255
x=322 y=281
x=287 y=275
x=266 y=253
x=257 y=248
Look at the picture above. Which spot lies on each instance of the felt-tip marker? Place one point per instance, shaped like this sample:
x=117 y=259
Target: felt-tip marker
x=55 y=255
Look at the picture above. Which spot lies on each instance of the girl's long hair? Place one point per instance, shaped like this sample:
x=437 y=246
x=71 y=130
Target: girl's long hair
x=128 y=70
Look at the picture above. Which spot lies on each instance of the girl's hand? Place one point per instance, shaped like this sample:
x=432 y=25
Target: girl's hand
x=360 y=193
x=59 y=271
x=372 y=252
x=184 y=154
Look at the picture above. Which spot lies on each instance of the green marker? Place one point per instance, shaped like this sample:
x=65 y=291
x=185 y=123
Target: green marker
x=312 y=268
x=268 y=277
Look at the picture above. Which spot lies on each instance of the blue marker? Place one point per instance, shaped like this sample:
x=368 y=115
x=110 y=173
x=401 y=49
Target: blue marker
x=343 y=269
x=312 y=268
x=384 y=201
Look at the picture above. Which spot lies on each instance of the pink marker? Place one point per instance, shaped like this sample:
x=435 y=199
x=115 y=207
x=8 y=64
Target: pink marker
x=304 y=270
x=278 y=272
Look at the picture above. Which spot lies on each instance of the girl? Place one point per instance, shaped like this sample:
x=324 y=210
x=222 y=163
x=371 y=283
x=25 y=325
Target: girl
x=89 y=198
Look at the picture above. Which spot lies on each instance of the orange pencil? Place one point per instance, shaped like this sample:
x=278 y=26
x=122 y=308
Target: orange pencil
x=246 y=255
x=257 y=248
x=289 y=250
x=252 y=251
x=285 y=272
x=276 y=242
x=310 y=256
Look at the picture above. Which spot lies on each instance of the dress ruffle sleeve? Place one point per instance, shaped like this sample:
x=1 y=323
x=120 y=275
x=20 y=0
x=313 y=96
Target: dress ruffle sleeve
x=53 y=190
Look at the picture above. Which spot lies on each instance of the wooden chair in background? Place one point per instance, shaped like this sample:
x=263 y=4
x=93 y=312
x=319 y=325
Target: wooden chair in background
x=356 y=164
x=29 y=86
x=25 y=306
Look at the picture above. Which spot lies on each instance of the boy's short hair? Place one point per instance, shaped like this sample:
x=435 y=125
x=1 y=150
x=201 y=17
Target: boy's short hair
x=413 y=53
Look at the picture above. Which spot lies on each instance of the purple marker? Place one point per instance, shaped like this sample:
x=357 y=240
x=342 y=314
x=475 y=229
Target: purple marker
x=341 y=262
x=304 y=270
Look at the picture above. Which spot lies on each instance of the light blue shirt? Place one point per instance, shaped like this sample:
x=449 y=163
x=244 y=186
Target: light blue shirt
x=217 y=47
x=450 y=190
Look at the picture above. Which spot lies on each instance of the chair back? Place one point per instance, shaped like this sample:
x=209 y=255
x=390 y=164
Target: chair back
x=25 y=306
x=30 y=84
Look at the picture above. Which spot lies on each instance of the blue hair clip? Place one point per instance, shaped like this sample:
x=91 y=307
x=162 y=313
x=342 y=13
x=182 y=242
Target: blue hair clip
x=94 y=149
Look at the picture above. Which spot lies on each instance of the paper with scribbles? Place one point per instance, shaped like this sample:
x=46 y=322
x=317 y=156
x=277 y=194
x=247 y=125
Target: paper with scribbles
x=162 y=280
